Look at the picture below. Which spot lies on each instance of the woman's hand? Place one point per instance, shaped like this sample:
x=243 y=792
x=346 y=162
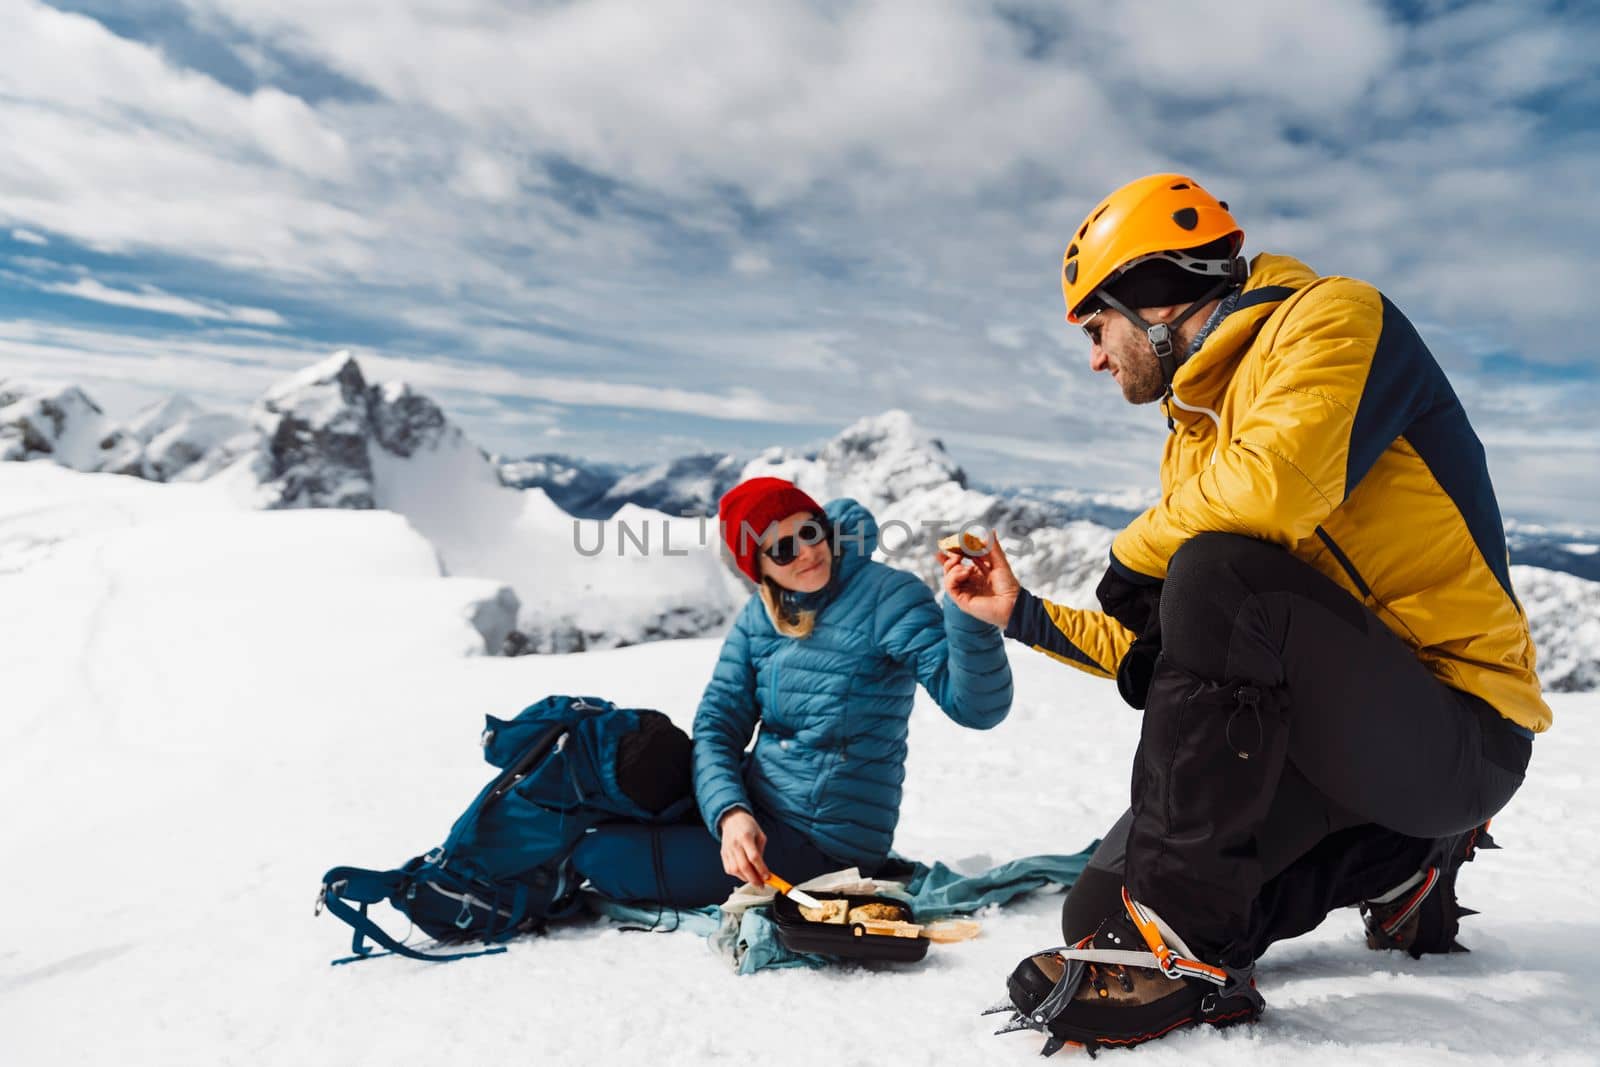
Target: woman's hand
x=982 y=586
x=742 y=845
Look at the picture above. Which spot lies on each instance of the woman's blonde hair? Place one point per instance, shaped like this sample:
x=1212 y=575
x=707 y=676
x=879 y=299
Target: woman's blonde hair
x=785 y=619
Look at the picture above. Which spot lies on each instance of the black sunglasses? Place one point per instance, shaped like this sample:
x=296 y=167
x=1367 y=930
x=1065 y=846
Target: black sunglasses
x=785 y=550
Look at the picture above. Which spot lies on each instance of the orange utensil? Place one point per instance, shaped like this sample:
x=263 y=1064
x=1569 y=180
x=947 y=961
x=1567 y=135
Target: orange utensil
x=799 y=896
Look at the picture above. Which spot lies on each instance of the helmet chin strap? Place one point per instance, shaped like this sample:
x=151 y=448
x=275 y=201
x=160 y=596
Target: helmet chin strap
x=1162 y=334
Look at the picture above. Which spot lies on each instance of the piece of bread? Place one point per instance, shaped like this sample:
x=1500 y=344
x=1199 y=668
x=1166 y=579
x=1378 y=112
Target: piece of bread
x=877 y=910
x=964 y=544
x=947 y=931
x=832 y=911
x=886 y=928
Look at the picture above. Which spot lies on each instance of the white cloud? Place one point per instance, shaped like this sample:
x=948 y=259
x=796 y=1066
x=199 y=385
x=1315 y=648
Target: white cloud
x=1111 y=461
x=123 y=371
x=773 y=96
x=291 y=132
x=915 y=111
x=72 y=64
x=128 y=189
x=1007 y=335
x=1316 y=62
x=481 y=176
x=149 y=298
x=236 y=374
x=445 y=378
x=28 y=237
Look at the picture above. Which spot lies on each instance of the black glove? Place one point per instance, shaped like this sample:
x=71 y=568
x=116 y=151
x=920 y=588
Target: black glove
x=1138 y=666
x=1134 y=605
x=1138 y=607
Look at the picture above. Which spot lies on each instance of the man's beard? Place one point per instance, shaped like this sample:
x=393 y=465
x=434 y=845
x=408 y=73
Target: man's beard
x=1141 y=379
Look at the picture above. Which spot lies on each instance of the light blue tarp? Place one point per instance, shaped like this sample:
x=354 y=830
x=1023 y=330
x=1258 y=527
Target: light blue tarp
x=748 y=942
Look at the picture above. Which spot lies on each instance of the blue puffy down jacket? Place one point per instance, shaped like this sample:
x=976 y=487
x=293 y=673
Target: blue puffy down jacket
x=830 y=756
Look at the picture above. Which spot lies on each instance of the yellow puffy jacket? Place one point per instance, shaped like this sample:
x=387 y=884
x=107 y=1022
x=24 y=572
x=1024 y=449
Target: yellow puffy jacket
x=1314 y=417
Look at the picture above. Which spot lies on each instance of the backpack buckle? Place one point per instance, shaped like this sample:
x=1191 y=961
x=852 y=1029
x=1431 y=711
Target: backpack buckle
x=322 y=894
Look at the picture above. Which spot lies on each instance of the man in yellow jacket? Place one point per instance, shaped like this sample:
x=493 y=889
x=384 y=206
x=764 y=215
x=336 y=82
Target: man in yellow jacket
x=1317 y=619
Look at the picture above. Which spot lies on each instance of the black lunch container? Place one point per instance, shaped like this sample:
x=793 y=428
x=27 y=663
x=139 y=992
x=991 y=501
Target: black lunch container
x=845 y=941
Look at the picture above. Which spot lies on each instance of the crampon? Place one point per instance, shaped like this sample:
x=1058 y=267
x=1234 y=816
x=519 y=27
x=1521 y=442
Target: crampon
x=1132 y=981
x=1421 y=915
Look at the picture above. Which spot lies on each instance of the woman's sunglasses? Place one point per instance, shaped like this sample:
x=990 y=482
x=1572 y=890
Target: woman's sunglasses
x=785 y=550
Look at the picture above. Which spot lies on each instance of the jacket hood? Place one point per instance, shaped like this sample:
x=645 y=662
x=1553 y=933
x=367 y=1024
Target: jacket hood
x=855 y=539
x=1205 y=375
x=855 y=530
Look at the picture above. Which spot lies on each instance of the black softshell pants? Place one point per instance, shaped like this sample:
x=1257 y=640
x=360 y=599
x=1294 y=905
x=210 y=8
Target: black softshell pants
x=1295 y=757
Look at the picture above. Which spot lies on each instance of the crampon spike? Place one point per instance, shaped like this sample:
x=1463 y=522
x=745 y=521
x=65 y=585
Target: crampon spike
x=1485 y=841
x=1464 y=912
x=1456 y=946
x=1015 y=1023
x=1052 y=1046
x=1004 y=1005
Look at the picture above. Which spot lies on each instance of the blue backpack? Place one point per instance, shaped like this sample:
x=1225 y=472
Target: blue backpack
x=568 y=763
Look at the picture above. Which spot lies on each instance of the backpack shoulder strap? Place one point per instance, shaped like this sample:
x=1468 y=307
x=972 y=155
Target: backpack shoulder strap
x=360 y=885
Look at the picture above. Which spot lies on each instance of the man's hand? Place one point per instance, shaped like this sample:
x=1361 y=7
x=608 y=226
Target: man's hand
x=743 y=842
x=982 y=586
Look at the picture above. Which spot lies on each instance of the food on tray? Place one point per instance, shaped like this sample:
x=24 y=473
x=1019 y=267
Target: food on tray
x=877 y=910
x=964 y=544
x=886 y=927
x=949 y=930
x=832 y=911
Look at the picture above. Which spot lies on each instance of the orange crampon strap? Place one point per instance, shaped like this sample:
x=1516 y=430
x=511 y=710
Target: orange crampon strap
x=1174 y=959
x=1171 y=963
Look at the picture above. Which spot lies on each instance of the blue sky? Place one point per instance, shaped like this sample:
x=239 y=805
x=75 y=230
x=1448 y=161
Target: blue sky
x=629 y=231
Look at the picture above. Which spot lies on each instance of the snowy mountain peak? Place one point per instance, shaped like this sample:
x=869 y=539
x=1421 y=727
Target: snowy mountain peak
x=878 y=460
x=325 y=427
x=162 y=416
x=316 y=425
x=688 y=485
x=196 y=447
x=341 y=367
x=53 y=420
x=404 y=421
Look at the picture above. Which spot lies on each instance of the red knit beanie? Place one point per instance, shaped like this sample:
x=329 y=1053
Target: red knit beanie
x=752 y=506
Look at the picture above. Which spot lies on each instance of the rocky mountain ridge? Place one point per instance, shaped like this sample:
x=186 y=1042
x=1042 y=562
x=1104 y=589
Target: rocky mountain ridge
x=327 y=438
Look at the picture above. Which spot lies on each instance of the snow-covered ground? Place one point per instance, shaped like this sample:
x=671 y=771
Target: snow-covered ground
x=206 y=706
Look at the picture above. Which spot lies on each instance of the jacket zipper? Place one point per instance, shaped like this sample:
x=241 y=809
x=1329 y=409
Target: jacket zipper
x=1216 y=447
x=772 y=688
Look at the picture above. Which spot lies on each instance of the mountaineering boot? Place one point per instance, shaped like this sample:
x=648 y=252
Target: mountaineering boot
x=1421 y=915
x=1131 y=981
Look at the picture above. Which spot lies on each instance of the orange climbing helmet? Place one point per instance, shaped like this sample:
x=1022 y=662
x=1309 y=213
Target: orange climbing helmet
x=1158 y=216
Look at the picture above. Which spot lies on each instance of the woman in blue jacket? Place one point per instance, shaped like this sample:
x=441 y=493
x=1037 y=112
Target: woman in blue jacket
x=824 y=659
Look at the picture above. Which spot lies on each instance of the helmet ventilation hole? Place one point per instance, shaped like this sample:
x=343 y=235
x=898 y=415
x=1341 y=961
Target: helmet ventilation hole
x=1187 y=218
